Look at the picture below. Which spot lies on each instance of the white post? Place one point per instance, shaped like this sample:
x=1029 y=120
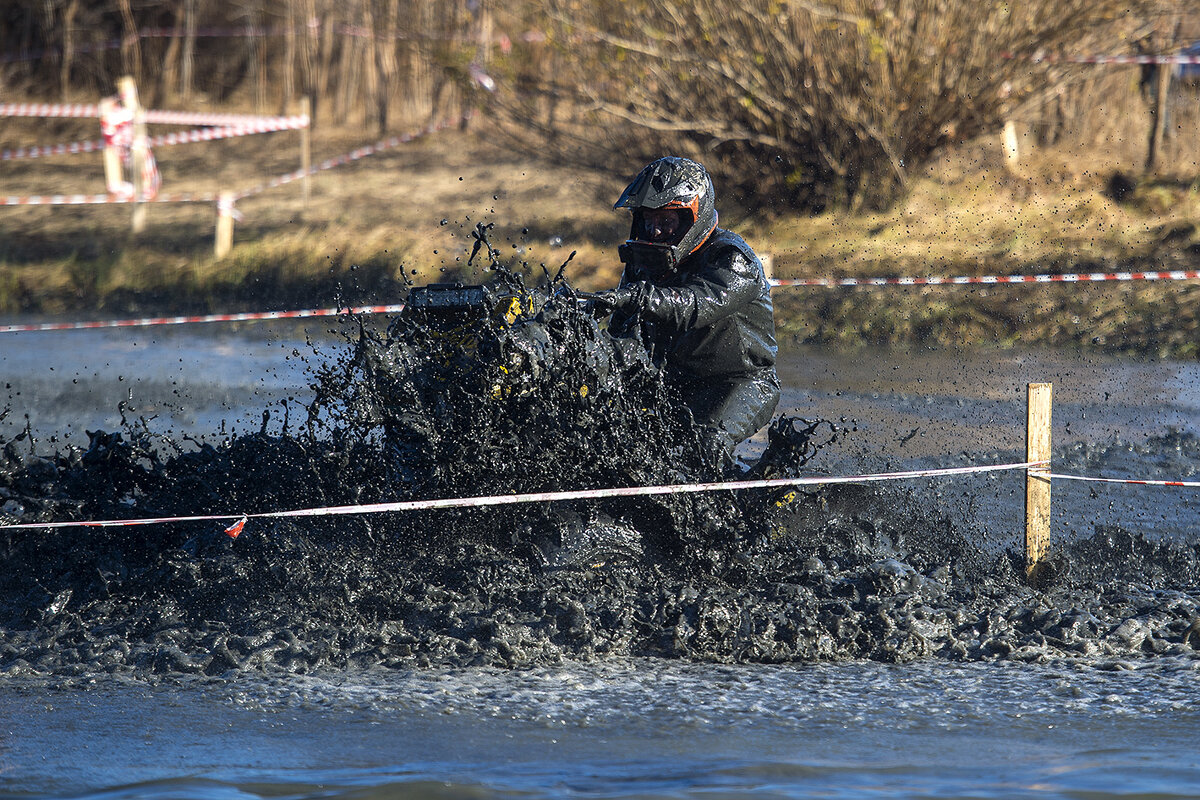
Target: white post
x=127 y=89
x=224 y=240
x=110 y=127
x=1011 y=152
x=1037 y=479
x=306 y=143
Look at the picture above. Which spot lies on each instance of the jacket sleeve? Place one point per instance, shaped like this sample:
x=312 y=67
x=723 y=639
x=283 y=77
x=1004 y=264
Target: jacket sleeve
x=727 y=283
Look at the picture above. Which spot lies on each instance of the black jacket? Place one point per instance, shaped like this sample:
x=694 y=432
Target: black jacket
x=711 y=317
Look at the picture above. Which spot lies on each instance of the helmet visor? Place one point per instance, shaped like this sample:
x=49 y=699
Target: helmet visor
x=661 y=225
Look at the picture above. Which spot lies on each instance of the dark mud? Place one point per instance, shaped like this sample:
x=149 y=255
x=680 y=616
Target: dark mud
x=539 y=400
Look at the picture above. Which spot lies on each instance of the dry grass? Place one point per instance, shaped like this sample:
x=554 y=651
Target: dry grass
x=412 y=210
x=968 y=212
x=409 y=209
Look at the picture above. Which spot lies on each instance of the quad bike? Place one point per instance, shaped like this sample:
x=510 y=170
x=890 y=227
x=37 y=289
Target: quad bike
x=462 y=358
x=471 y=373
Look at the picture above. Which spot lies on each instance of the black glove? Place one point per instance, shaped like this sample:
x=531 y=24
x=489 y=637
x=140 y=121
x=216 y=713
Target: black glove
x=602 y=304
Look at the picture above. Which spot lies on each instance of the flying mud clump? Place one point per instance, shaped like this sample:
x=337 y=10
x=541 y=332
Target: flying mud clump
x=503 y=389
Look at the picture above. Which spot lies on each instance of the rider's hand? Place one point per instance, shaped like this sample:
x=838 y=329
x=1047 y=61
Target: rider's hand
x=602 y=304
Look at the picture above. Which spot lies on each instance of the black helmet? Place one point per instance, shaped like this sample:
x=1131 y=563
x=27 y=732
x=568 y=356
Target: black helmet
x=674 y=183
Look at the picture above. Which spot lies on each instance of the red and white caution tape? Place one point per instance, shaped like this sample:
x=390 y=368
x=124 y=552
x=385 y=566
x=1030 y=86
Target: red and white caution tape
x=531 y=497
x=1053 y=58
x=100 y=199
x=1057 y=476
x=79 y=111
x=48 y=110
x=353 y=155
x=51 y=150
x=230 y=120
x=265 y=125
x=184 y=320
x=934 y=280
x=211 y=197
x=255 y=125
x=390 y=309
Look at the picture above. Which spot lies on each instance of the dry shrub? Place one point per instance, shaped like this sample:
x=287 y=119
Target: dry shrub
x=792 y=103
x=809 y=103
x=375 y=62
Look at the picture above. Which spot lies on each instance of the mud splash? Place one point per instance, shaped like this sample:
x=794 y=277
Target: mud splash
x=536 y=398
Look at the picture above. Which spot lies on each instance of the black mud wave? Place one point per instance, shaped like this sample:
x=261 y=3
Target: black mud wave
x=536 y=399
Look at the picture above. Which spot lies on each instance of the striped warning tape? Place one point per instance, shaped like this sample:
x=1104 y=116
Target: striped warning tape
x=353 y=155
x=78 y=111
x=1053 y=58
x=184 y=320
x=265 y=125
x=100 y=199
x=933 y=280
x=530 y=497
x=389 y=309
x=74 y=110
x=1057 y=476
x=184 y=137
x=232 y=120
x=51 y=150
x=210 y=197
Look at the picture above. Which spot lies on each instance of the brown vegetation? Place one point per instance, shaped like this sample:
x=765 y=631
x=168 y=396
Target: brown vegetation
x=884 y=115
x=817 y=104
x=804 y=103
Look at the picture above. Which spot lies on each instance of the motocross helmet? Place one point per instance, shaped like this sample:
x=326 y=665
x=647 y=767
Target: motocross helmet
x=669 y=183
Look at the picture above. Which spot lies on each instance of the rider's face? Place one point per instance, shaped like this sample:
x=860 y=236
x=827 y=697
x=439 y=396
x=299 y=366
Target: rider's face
x=661 y=225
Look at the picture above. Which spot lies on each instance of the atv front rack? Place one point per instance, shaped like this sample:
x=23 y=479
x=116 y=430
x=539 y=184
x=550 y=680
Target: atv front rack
x=452 y=305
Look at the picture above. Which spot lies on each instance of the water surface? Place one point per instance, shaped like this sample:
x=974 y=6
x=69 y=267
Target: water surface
x=645 y=727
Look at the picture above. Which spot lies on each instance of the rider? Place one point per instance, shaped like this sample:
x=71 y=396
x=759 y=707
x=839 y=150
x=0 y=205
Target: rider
x=701 y=299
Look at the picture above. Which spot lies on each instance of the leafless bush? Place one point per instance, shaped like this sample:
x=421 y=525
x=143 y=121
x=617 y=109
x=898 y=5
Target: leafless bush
x=812 y=103
x=795 y=103
x=365 y=59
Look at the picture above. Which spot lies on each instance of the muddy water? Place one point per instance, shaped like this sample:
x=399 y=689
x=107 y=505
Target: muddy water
x=1112 y=417
x=905 y=409
x=632 y=729
x=1121 y=724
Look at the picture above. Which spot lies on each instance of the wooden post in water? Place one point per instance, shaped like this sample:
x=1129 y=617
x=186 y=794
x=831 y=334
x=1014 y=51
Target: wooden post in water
x=224 y=240
x=1037 y=479
x=306 y=143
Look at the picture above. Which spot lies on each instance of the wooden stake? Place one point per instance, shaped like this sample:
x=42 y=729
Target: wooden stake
x=224 y=240
x=1037 y=479
x=127 y=89
x=1012 y=153
x=1165 y=33
x=306 y=143
x=1162 y=90
x=768 y=262
x=113 y=177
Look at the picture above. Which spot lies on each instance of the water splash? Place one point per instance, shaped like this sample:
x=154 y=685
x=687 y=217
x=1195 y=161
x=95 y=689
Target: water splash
x=536 y=397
